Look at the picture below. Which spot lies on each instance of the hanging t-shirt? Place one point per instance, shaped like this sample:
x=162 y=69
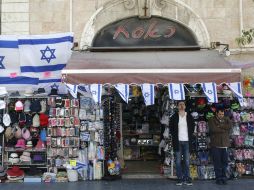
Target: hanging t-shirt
x=182 y=128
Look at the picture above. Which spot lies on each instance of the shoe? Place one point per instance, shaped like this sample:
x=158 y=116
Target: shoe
x=219 y=182
x=188 y=182
x=179 y=183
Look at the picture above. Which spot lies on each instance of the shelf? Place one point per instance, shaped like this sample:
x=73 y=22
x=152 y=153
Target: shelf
x=24 y=164
x=24 y=150
x=141 y=145
x=135 y=134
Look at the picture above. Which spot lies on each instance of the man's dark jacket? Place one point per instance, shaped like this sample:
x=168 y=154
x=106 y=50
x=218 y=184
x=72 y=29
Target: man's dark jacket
x=173 y=124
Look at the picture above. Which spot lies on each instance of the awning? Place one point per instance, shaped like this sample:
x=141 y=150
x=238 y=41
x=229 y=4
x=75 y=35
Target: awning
x=150 y=67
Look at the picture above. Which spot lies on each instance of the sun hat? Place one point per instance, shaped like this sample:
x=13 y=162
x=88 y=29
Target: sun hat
x=27 y=106
x=13 y=158
x=26 y=133
x=6 y=119
x=15 y=171
x=36 y=120
x=3 y=91
x=2 y=104
x=29 y=92
x=19 y=106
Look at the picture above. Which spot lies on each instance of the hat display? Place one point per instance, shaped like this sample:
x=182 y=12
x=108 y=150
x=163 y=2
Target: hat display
x=16 y=93
x=26 y=134
x=27 y=106
x=43 y=120
x=2 y=104
x=15 y=171
x=3 y=91
x=21 y=143
x=6 y=119
x=36 y=120
x=29 y=92
x=19 y=106
x=14 y=158
x=25 y=157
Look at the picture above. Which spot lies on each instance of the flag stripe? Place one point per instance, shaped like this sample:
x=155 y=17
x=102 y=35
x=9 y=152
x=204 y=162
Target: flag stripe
x=181 y=91
x=8 y=44
x=38 y=69
x=171 y=92
x=50 y=80
x=214 y=93
x=45 y=41
x=18 y=80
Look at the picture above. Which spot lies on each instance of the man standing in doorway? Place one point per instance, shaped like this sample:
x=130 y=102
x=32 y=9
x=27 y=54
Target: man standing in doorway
x=182 y=127
x=219 y=127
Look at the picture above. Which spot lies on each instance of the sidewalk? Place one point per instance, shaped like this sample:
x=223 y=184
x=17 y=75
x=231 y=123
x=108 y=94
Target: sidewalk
x=131 y=184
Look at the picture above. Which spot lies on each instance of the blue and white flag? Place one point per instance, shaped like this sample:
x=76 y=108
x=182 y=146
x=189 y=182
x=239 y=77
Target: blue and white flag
x=148 y=93
x=84 y=89
x=9 y=56
x=44 y=56
x=237 y=89
x=210 y=91
x=176 y=91
x=73 y=89
x=123 y=90
x=96 y=90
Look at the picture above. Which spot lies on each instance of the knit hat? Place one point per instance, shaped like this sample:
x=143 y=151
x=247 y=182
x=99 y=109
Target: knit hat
x=27 y=106
x=19 y=106
x=43 y=106
x=17 y=130
x=43 y=120
x=13 y=158
x=25 y=157
x=21 y=144
x=36 y=120
x=43 y=135
x=35 y=106
x=29 y=144
x=40 y=144
x=26 y=134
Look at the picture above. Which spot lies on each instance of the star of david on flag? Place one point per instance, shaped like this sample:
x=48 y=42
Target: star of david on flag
x=48 y=54
x=96 y=90
x=176 y=91
x=123 y=90
x=44 y=56
x=1 y=62
x=54 y=86
x=148 y=93
x=210 y=91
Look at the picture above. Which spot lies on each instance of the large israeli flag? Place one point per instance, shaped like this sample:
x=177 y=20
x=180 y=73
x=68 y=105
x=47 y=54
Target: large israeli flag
x=176 y=91
x=96 y=90
x=123 y=90
x=237 y=89
x=44 y=56
x=10 y=65
x=148 y=93
x=210 y=91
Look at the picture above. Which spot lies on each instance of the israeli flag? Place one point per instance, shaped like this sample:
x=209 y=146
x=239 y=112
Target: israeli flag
x=96 y=90
x=237 y=89
x=73 y=89
x=176 y=91
x=84 y=89
x=9 y=56
x=210 y=91
x=148 y=93
x=44 y=55
x=123 y=90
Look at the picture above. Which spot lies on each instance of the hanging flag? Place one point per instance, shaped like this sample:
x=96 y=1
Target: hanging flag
x=96 y=90
x=43 y=56
x=123 y=90
x=237 y=89
x=148 y=93
x=176 y=91
x=84 y=89
x=73 y=89
x=50 y=84
x=210 y=91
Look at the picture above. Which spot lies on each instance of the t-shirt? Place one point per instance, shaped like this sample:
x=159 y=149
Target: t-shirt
x=183 y=128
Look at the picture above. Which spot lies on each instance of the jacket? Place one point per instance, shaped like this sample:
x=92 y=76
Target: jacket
x=219 y=131
x=173 y=124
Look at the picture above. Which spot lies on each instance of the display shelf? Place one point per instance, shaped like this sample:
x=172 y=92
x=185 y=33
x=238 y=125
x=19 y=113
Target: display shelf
x=24 y=150
x=24 y=164
x=143 y=145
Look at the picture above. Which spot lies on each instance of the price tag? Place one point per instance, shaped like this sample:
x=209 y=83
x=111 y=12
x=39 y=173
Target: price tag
x=73 y=163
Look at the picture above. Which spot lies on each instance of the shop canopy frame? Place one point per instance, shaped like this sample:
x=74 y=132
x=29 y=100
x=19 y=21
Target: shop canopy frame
x=150 y=67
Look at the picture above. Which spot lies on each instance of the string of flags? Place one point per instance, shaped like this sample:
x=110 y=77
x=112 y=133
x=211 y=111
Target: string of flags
x=175 y=90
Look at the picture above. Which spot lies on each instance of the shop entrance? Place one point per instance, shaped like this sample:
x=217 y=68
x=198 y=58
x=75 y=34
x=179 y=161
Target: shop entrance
x=141 y=132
